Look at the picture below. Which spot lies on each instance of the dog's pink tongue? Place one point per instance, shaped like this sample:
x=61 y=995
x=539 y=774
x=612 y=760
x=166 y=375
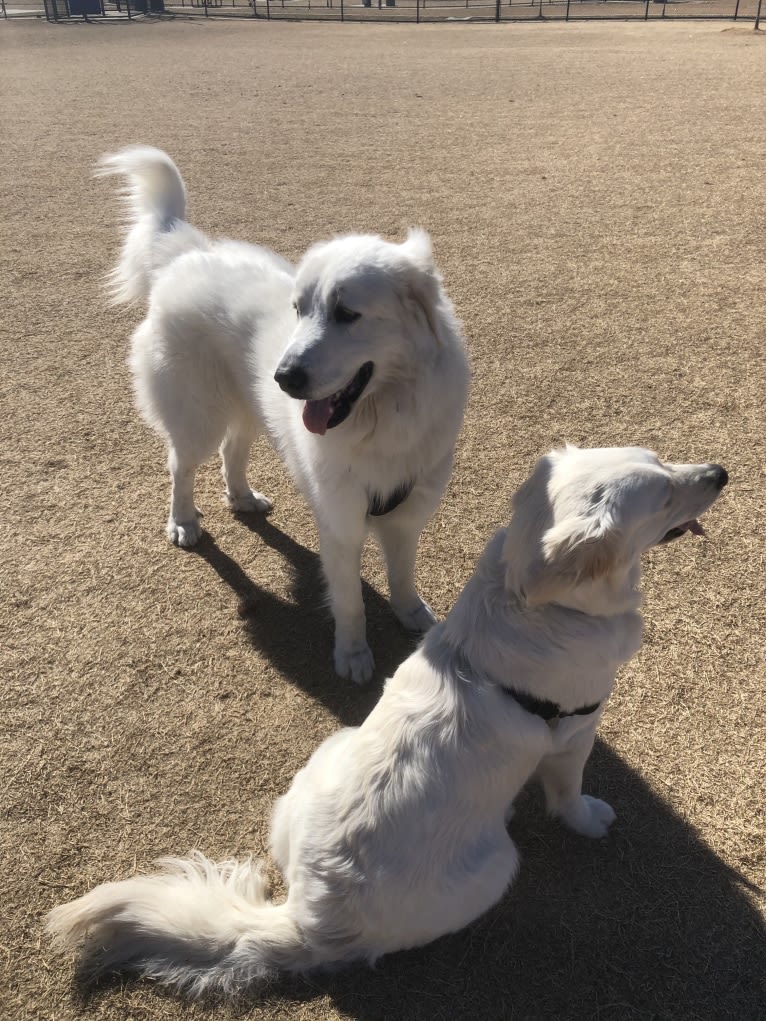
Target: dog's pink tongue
x=316 y=415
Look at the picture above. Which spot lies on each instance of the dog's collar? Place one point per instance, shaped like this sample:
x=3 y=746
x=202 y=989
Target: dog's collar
x=548 y=711
x=377 y=505
x=551 y=712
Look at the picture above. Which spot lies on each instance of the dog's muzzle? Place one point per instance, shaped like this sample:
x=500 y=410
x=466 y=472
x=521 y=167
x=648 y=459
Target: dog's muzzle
x=718 y=476
x=326 y=412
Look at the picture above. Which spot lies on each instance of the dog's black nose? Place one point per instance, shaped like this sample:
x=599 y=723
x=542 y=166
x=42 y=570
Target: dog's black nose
x=719 y=474
x=292 y=379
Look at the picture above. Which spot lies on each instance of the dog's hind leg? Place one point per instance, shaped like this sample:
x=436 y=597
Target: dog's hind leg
x=175 y=401
x=235 y=452
x=292 y=822
x=183 y=527
x=193 y=432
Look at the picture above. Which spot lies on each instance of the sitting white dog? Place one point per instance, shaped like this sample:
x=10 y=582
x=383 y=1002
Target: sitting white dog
x=394 y=833
x=371 y=371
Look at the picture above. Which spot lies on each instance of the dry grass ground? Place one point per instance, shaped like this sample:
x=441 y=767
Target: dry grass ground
x=596 y=198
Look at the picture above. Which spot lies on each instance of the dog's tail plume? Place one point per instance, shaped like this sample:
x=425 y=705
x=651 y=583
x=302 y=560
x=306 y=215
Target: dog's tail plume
x=155 y=198
x=195 y=926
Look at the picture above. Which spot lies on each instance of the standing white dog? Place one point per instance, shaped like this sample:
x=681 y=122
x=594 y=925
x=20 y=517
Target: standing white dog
x=394 y=834
x=364 y=345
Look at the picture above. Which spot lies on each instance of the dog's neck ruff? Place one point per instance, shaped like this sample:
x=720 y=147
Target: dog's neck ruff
x=566 y=657
x=377 y=505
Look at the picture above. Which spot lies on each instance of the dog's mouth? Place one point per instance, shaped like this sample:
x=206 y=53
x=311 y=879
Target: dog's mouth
x=692 y=526
x=324 y=414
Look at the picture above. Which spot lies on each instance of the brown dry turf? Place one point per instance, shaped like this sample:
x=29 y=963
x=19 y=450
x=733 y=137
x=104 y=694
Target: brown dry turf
x=596 y=199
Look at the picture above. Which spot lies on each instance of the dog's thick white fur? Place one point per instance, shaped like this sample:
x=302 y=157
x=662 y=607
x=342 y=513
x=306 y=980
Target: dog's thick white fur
x=394 y=832
x=369 y=357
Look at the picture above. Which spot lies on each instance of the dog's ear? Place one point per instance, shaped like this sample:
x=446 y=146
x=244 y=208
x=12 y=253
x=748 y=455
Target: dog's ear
x=422 y=283
x=419 y=251
x=573 y=551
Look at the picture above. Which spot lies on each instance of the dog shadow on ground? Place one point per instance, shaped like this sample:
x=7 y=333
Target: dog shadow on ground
x=297 y=635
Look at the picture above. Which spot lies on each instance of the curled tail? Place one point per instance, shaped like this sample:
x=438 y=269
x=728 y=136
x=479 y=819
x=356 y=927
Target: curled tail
x=155 y=197
x=195 y=925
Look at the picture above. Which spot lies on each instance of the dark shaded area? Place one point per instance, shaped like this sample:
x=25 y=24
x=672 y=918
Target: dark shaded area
x=297 y=636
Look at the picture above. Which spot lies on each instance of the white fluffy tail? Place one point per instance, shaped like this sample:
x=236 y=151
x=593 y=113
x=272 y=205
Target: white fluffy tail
x=195 y=925
x=156 y=205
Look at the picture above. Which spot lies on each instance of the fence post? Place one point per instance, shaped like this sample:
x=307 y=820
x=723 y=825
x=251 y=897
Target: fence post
x=567 y=17
x=342 y=12
x=646 y=11
x=268 y=11
x=417 y=12
x=758 y=17
x=736 y=10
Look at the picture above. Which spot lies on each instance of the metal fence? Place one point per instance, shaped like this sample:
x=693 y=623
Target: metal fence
x=381 y=11
x=470 y=10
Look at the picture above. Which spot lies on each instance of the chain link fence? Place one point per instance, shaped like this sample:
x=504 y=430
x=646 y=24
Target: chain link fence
x=417 y=11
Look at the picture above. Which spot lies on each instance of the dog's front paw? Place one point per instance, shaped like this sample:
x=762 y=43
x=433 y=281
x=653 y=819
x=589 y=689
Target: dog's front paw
x=355 y=662
x=184 y=533
x=417 y=619
x=590 y=817
x=249 y=502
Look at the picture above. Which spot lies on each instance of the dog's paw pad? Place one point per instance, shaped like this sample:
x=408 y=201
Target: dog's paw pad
x=354 y=663
x=249 y=502
x=184 y=533
x=418 y=620
x=591 y=817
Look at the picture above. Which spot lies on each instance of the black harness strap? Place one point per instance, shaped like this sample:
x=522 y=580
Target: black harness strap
x=542 y=707
x=378 y=506
x=545 y=709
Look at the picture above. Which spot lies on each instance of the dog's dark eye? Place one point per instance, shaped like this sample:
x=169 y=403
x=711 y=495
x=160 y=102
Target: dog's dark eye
x=297 y=310
x=341 y=314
